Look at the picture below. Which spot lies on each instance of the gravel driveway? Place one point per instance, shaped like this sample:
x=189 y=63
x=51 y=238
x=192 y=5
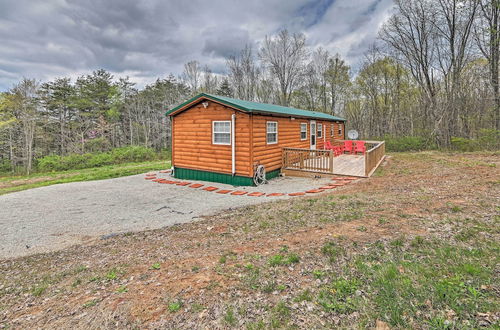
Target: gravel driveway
x=54 y=217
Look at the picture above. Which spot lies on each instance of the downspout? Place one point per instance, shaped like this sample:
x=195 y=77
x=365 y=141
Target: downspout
x=233 y=145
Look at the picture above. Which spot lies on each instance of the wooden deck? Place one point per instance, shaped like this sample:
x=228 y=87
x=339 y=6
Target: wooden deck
x=353 y=165
x=296 y=160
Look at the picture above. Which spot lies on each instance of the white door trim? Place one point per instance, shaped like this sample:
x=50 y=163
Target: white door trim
x=313 y=135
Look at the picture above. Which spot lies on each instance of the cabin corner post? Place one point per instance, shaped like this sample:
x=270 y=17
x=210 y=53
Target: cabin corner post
x=233 y=145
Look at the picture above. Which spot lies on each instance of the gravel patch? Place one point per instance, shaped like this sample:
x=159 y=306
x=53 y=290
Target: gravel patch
x=51 y=218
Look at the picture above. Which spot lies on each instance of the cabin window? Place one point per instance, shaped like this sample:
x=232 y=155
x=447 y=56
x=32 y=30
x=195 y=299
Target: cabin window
x=272 y=132
x=221 y=132
x=303 y=131
x=340 y=130
x=332 y=129
x=320 y=130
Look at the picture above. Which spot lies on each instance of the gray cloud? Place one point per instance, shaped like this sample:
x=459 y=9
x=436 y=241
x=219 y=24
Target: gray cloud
x=150 y=39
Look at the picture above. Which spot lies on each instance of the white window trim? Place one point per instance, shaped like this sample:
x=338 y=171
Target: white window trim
x=340 y=129
x=269 y=122
x=213 y=132
x=303 y=139
x=320 y=130
x=332 y=129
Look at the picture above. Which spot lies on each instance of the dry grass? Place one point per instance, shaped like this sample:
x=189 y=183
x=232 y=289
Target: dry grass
x=414 y=246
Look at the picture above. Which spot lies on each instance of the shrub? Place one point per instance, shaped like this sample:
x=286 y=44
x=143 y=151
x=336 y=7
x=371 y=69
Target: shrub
x=408 y=143
x=88 y=160
x=132 y=154
x=463 y=144
x=49 y=163
x=489 y=139
x=5 y=166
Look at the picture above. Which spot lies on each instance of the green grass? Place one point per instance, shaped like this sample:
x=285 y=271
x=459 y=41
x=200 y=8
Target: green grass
x=8 y=183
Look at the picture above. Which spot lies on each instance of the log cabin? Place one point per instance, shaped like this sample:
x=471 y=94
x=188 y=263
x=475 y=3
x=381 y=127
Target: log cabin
x=222 y=139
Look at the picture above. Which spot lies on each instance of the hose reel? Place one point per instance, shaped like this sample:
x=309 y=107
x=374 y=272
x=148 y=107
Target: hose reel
x=259 y=176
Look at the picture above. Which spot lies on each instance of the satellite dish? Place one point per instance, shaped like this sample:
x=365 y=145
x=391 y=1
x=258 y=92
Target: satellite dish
x=353 y=134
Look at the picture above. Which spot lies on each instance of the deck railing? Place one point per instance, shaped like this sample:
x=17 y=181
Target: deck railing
x=374 y=156
x=308 y=160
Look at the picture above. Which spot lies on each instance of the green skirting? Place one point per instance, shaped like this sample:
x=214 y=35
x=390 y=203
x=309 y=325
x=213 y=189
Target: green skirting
x=189 y=174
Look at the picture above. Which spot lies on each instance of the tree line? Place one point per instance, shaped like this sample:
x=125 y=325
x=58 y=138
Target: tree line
x=433 y=73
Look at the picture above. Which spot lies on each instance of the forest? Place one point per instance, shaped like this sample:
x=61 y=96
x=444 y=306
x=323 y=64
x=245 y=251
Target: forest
x=430 y=81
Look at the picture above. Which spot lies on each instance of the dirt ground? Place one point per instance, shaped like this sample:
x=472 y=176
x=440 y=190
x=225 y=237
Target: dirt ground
x=270 y=265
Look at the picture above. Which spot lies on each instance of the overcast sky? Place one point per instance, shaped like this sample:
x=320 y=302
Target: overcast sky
x=44 y=39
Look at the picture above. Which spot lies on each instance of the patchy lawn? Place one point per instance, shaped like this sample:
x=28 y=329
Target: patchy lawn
x=12 y=183
x=415 y=246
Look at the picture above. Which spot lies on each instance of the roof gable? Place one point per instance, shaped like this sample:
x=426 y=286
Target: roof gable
x=253 y=107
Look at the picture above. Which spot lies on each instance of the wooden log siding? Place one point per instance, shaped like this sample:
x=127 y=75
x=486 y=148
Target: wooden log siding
x=308 y=160
x=374 y=156
x=270 y=155
x=192 y=140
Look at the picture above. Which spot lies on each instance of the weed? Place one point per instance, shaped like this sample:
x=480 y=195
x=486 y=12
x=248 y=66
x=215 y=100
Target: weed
x=305 y=295
x=174 y=306
x=37 y=291
x=122 y=289
x=195 y=269
x=280 y=314
x=90 y=303
x=276 y=260
x=382 y=221
x=222 y=259
x=196 y=308
x=362 y=228
x=417 y=241
x=332 y=251
x=318 y=274
x=156 y=266
x=229 y=317
x=112 y=274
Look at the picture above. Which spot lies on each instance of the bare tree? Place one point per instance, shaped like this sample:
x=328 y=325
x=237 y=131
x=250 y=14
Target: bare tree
x=285 y=55
x=26 y=110
x=487 y=33
x=191 y=75
x=337 y=77
x=244 y=74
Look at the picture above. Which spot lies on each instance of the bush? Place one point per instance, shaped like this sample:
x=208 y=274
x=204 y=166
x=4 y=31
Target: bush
x=49 y=163
x=88 y=160
x=487 y=139
x=5 y=166
x=408 y=143
x=463 y=144
x=132 y=154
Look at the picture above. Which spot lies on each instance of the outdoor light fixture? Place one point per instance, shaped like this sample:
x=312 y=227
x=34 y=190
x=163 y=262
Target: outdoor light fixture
x=205 y=104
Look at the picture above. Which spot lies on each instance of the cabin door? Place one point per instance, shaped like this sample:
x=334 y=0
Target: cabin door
x=312 y=129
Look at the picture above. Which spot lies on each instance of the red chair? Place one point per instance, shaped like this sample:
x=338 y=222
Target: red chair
x=360 y=147
x=328 y=146
x=337 y=151
x=348 y=146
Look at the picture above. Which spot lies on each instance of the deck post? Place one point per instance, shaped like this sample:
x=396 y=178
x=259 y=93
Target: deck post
x=331 y=161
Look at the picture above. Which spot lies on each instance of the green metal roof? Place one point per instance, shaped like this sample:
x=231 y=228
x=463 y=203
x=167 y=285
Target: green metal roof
x=256 y=107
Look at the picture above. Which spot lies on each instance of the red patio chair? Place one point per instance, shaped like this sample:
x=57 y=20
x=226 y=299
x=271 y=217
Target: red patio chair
x=360 y=147
x=348 y=146
x=328 y=146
